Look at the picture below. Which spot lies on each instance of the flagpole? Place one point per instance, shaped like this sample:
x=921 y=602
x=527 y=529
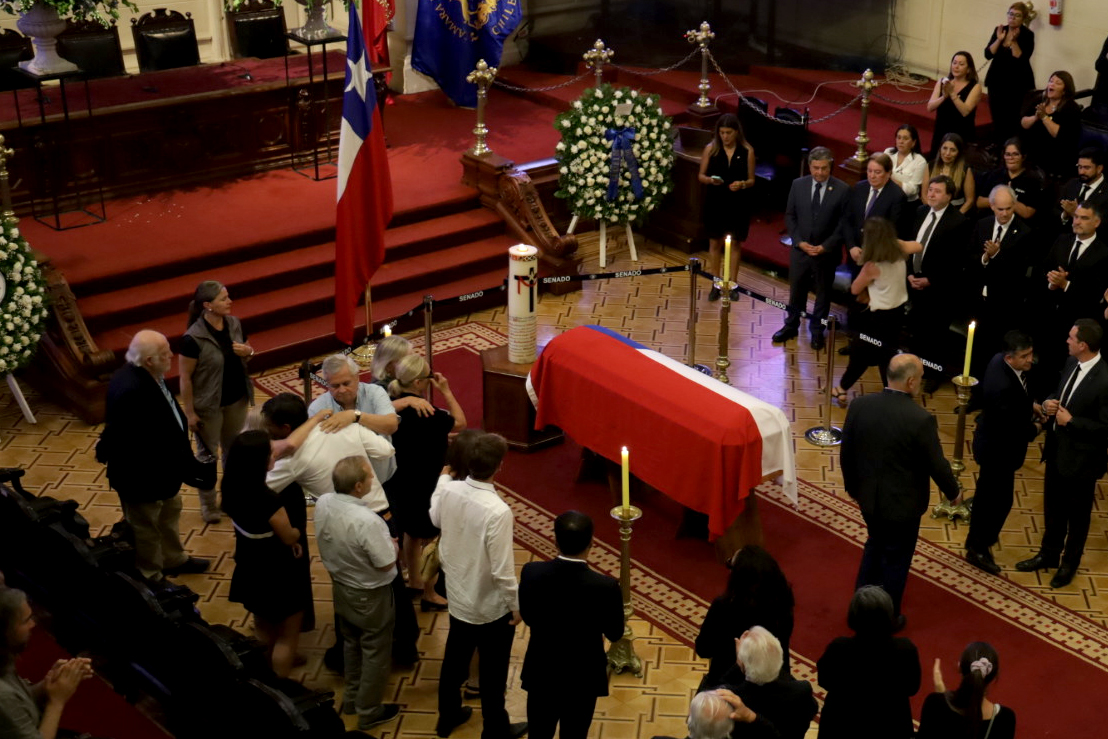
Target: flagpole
x=363 y=354
x=368 y=312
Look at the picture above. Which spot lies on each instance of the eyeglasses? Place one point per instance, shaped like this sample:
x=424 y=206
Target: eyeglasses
x=1012 y=154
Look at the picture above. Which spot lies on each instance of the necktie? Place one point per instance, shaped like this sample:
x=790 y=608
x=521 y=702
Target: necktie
x=1073 y=255
x=816 y=203
x=1023 y=380
x=872 y=199
x=999 y=232
x=1084 y=193
x=1069 y=386
x=917 y=259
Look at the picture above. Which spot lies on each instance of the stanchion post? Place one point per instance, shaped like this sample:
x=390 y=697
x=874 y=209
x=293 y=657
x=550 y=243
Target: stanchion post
x=866 y=85
x=694 y=270
x=702 y=37
x=723 y=360
x=482 y=76
x=621 y=654
x=428 y=319
x=963 y=384
x=595 y=59
x=827 y=434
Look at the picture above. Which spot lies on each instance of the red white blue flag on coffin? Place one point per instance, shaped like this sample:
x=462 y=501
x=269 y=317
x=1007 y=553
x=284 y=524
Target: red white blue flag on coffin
x=364 y=186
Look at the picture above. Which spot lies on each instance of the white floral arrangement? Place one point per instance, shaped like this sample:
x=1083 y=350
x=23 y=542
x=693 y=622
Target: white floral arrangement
x=23 y=300
x=596 y=121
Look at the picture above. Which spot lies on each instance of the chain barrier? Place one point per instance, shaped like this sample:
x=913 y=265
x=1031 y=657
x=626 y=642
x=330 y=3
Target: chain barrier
x=670 y=68
x=515 y=88
x=899 y=102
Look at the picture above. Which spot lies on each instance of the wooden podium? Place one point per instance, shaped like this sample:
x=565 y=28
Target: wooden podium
x=508 y=409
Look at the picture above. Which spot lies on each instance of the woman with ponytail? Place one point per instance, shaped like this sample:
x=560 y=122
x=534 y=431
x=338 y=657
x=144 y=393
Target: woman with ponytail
x=966 y=712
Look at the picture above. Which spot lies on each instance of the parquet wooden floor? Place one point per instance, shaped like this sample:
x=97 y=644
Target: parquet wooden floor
x=57 y=454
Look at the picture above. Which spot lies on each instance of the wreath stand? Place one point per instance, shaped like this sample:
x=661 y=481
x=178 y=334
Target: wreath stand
x=19 y=399
x=604 y=240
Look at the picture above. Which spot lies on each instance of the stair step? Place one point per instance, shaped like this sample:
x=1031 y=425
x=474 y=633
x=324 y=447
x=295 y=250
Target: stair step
x=264 y=274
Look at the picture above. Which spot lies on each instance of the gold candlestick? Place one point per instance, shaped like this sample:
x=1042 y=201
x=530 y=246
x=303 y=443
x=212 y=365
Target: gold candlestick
x=621 y=654
x=722 y=360
x=482 y=76
x=595 y=59
x=866 y=84
x=963 y=384
x=702 y=38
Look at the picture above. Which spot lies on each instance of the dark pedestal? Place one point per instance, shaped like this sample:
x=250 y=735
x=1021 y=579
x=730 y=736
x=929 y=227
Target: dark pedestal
x=508 y=410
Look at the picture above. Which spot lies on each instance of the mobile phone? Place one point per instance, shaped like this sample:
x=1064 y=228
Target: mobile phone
x=717 y=178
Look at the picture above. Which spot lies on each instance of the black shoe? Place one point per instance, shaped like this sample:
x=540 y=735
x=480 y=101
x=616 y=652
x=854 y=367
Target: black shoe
x=191 y=566
x=430 y=605
x=784 y=334
x=333 y=658
x=713 y=294
x=1063 y=577
x=1038 y=562
x=901 y=622
x=517 y=730
x=844 y=351
x=818 y=341
x=444 y=727
x=734 y=293
x=982 y=561
x=470 y=693
x=391 y=711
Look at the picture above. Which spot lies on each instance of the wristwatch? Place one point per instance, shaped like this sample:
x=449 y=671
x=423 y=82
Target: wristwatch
x=357 y=415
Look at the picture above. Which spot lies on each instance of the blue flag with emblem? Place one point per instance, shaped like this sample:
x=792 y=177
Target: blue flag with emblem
x=452 y=35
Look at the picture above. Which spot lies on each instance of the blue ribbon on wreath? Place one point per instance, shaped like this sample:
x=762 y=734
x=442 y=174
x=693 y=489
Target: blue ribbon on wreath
x=622 y=139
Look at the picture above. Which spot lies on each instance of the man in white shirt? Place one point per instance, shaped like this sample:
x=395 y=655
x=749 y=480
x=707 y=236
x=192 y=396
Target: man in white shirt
x=360 y=554
x=1076 y=454
x=481 y=587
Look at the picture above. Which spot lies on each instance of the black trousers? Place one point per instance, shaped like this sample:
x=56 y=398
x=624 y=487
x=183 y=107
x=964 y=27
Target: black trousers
x=549 y=707
x=887 y=557
x=809 y=273
x=992 y=502
x=493 y=642
x=1067 y=508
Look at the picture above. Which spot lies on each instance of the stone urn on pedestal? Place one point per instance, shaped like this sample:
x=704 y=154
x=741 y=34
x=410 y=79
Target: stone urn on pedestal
x=315 y=28
x=43 y=24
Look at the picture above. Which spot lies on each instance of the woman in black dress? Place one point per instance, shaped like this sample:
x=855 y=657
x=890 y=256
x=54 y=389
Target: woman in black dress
x=1052 y=128
x=271 y=578
x=727 y=168
x=1013 y=171
x=951 y=161
x=420 y=443
x=757 y=595
x=954 y=101
x=966 y=712
x=1010 y=77
x=869 y=677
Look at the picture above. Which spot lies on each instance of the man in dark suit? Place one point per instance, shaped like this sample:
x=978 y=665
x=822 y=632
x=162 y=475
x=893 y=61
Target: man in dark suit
x=889 y=455
x=1076 y=454
x=996 y=275
x=877 y=196
x=812 y=216
x=1076 y=272
x=1004 y=428
x=570 y=609
x=145 y=445
x=934 y=275
x=1089 y=186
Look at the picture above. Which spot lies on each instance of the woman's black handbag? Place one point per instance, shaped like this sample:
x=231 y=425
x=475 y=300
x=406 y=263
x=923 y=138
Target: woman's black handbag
x=201 y=474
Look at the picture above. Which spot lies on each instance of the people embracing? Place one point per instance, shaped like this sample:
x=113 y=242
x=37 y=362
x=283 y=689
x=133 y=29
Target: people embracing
x=215 y=385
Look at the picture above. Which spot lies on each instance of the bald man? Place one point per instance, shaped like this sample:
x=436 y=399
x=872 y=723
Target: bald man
x=145 y=445
x=889 y=455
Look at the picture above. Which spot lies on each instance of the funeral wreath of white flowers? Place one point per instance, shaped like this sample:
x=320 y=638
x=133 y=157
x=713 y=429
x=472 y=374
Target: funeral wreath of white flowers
x=23 y=301
x=615 y=155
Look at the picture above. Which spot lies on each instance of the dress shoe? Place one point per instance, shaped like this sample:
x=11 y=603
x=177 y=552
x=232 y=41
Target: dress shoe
x=517 y=730
x=1038 y=562
x=191 y=566
x=1063 y=577
x=333 y=658
x=901 y=622
x=388 y=713
x=982 y=561
x=784 y=334
x=713 y=294
x=844 y=351
x=734 y=293
x=430 y=605
x=444 y=727
x=818 y=341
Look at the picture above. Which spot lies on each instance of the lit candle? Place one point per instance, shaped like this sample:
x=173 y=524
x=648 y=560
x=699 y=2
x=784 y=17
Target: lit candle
x=726 y=276
x=626 y=482
x=386 y=331
x=969 y=347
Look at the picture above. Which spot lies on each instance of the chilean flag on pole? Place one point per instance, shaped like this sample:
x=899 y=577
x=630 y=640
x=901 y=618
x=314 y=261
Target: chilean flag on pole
x=365 y=186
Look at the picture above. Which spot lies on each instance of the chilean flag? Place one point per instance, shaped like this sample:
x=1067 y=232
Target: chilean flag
x=364 y=186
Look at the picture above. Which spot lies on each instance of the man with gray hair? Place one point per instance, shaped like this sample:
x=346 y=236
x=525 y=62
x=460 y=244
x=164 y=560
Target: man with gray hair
x=756 y=679
x=145 y=445
x=997 y=279
x=812 y=217
x=720 y=714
